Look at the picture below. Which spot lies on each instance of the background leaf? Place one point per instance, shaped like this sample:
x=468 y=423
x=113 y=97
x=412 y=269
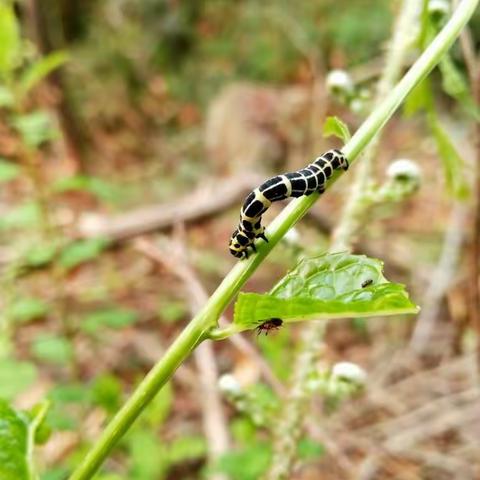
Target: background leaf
x=328 y=286
x=15 y=377
x=8 y=171
x=9 y=38
x=334 y=126
x=53 y=349
x=452 y=162
x=40 y=69
x=112 y=318
x=35 y=128
x=82 y=251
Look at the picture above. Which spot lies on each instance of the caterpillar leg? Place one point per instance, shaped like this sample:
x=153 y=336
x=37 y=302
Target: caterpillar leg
x=254 y=248
x=262 y=236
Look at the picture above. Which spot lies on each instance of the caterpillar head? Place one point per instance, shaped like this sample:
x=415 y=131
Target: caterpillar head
x=340 y=160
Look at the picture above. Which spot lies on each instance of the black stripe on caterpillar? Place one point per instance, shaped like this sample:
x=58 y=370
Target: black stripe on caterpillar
x=310 y=179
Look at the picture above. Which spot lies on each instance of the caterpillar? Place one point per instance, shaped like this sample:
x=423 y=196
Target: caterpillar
x=310 y=179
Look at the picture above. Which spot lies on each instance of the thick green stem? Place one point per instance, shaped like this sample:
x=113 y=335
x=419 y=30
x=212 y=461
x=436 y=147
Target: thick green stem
x=232 y=283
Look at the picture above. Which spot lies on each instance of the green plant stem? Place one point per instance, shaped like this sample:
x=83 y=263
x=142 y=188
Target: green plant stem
x=207 y=318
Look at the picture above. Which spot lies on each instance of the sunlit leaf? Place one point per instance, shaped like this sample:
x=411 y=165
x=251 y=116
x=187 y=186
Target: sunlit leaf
x=419 y=99
x=248 y=463
x=40 y=255
x=333 y=126
x=455 y=84
x=7 y=98
x=53 y=349
x=38 y=70
x=8 y=171
x=102 y=189
x=9 y=38
x=35 y=128
x=15 y=377
x=329 y=286
x=111 y=318
x=26 y=309
x=186 y=448
x=452 y=162
x=82 y=251
x=23 y=216
x=107 y=392
x=310 y=450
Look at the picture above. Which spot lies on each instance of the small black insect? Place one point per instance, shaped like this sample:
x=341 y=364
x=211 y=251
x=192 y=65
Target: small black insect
x=272 y=324
x=366 y=283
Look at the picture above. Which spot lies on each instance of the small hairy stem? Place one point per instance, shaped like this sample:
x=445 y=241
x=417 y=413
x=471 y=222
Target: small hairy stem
x=206 y=319
x=289 y=429
x=400 y=43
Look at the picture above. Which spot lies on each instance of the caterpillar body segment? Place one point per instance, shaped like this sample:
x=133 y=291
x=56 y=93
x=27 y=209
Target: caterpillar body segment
x=310 y=179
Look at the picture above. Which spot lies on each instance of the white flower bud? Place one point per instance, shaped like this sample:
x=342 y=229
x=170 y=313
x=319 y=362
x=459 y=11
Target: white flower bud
x=404 y=169
x=350 y=372
x=292 y=237
x=339 y=82
x=229 y=385
x=440 y=8
x=357 y=105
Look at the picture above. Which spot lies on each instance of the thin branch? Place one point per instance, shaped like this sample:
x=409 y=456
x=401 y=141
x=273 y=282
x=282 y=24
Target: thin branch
x=209 y=199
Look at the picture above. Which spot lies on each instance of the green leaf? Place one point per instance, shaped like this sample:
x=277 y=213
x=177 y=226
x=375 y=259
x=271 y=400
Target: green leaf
x=40 y=255
x=82 y=251
x=27 y=309
x=69 y=393
x=420 y=98
x=14 y=440
x=309 y=450
x=147 y=455
x=58 y=473
x=35 y=128
x=15 y=377
x=112 y=318
x=53 y=349
x=186 y=448
x=325 y=287
x=7 y=98
x=105 y=191
x=333 y=126
x=40 y=69
x=9 y=39
x=8 y=171
x=24 y=216
x=248 y=463
x=455 y=85
x=452 y=162
x=107 y=392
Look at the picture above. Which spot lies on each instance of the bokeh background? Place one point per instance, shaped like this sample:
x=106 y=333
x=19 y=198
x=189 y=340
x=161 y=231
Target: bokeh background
x=122 y=173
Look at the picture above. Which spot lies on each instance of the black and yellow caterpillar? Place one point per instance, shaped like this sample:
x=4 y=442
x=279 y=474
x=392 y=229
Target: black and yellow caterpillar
x=310 y=179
